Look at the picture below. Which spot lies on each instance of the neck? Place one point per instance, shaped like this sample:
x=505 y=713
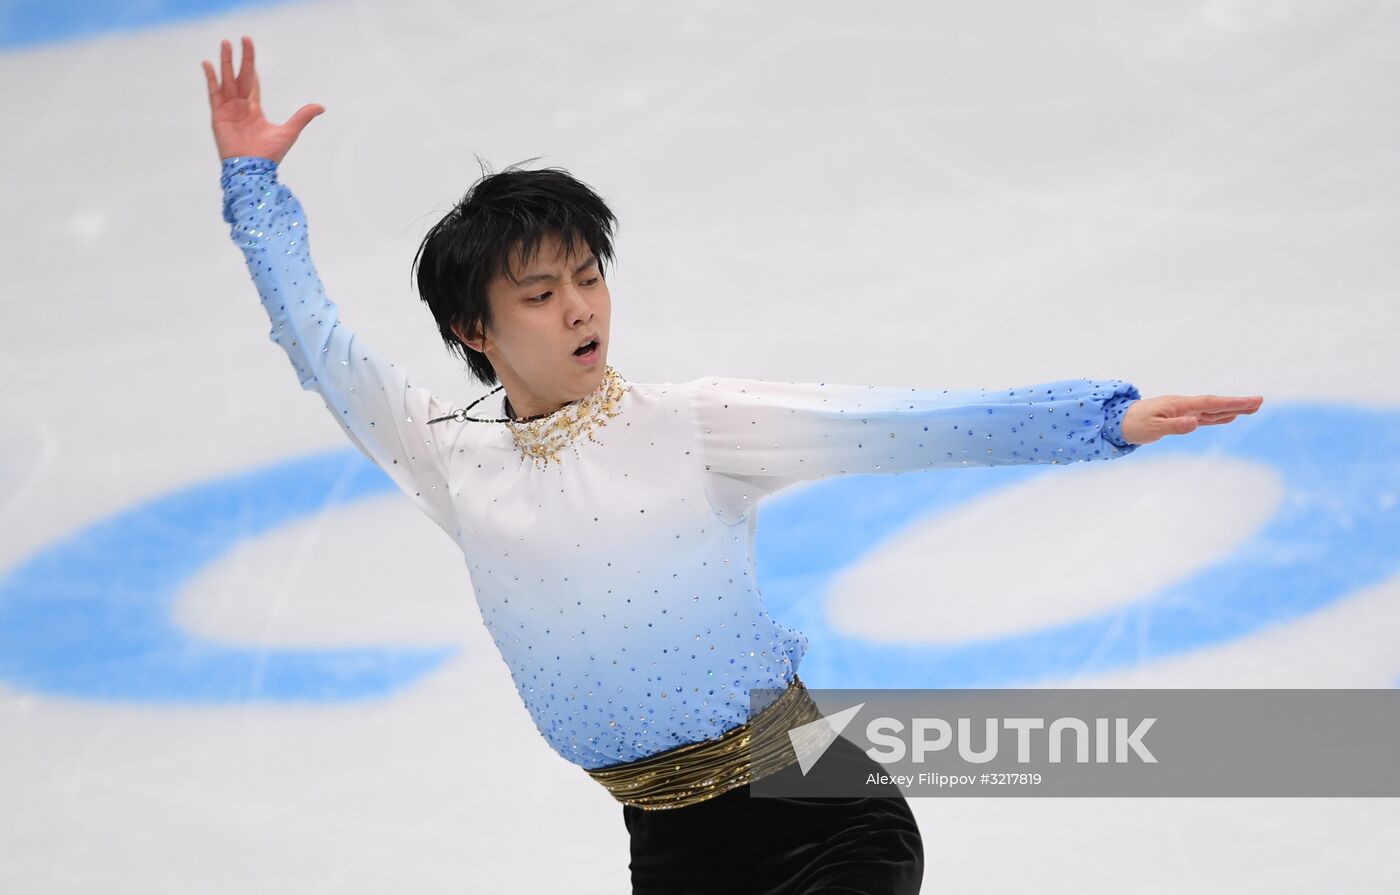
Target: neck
x=511 y=412
x=521 y=404
x=529 y=405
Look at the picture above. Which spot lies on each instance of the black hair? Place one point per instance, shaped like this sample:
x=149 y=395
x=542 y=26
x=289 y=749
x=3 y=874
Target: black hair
x=499 y=215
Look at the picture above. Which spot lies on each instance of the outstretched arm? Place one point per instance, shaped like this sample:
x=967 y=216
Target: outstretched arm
x=381 y=412
x=757 y=437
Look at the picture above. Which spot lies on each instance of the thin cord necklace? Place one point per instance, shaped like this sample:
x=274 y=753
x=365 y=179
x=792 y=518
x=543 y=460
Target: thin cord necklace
x=460 y=414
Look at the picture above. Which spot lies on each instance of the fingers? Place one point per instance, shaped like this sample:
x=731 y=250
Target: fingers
x=229 y=88
x=303 y=116
x=1218 y=404
x=213 y=83
x=1183 y=414
x=247 y=72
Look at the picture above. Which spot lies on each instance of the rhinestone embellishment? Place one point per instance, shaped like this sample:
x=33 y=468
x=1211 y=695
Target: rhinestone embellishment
x=544 y=439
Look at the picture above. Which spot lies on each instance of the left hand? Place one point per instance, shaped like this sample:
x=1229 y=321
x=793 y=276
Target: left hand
x=1148 y=419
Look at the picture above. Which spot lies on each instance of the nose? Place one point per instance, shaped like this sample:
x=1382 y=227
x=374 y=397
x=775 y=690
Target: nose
x=579 y=310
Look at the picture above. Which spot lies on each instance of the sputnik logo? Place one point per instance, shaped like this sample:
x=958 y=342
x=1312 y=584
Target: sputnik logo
x=811 y=740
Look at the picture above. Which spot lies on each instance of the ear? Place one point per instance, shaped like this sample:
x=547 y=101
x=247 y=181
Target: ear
x=473 y=342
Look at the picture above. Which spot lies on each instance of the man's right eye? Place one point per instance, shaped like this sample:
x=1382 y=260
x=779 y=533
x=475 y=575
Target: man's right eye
x=540 y=298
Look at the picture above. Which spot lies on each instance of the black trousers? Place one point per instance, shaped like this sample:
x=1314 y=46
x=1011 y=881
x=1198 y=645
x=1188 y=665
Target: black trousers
x=737 y=844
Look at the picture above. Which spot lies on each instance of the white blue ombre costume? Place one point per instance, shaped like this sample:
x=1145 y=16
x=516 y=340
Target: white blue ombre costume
x=611 y=545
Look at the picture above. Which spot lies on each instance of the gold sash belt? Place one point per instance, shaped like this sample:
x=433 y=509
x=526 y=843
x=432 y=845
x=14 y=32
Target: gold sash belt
x=695 y=772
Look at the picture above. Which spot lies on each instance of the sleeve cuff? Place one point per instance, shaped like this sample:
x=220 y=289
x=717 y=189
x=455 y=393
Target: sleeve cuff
x=244 y=166
x=1113 y=410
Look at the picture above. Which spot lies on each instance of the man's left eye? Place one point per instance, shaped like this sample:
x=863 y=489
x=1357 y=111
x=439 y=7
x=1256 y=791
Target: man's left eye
x=590 y=281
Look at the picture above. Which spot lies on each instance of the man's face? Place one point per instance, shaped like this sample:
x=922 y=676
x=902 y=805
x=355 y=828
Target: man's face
x=554 y=304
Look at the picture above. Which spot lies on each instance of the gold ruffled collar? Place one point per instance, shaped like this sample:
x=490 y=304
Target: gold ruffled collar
x=544 y=439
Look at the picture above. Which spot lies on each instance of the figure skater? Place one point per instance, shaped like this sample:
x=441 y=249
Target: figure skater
x=608 y=525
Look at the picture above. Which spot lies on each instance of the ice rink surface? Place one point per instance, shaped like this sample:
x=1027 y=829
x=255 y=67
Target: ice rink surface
x=1198 y=197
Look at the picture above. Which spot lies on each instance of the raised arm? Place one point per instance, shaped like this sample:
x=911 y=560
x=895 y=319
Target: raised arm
x=383 y=414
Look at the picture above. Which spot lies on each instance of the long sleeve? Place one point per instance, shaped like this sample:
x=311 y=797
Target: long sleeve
x=757 y=436
x=381 y=412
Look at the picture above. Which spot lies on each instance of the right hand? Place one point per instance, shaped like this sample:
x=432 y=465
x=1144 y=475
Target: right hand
x=236 y=110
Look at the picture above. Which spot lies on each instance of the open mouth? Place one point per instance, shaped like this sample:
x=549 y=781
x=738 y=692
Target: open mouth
x=587 y=350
